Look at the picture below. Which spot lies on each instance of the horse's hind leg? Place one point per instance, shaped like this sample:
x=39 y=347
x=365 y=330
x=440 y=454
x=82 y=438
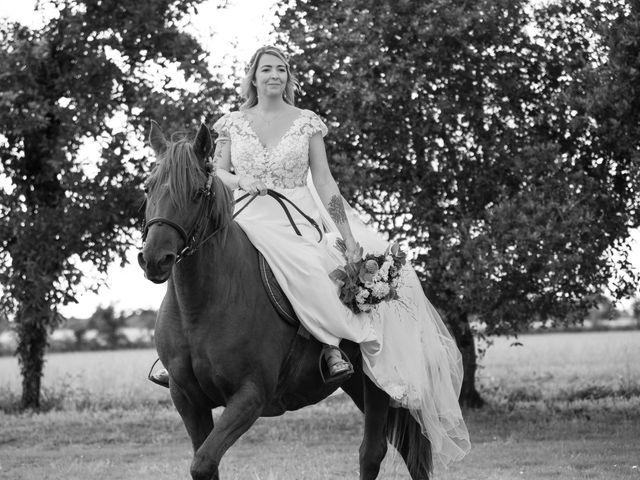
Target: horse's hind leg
x=374 y=444
x=242 y=410
x=405 y=434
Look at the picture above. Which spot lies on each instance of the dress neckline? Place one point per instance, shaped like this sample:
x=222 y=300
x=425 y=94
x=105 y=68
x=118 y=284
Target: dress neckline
x=253 y=132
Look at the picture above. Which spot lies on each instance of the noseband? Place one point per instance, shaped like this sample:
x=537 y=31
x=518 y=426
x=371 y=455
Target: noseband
x=192 y=240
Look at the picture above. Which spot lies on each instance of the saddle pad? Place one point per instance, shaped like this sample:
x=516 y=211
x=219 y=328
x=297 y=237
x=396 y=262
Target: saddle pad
x=277 y=297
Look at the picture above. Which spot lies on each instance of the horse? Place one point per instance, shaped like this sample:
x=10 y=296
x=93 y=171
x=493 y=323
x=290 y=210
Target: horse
x=219 y=336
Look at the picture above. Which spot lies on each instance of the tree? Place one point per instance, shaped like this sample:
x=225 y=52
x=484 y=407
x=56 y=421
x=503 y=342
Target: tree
x=483 y=134
x=603 y=311
x=79 y=326
x=105 y=321
x=145 y=319
x=94 y=75
x=635 y=311
x=4 y=322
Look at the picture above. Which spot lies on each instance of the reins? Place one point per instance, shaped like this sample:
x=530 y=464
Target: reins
x=280 y=198
x=190 y=240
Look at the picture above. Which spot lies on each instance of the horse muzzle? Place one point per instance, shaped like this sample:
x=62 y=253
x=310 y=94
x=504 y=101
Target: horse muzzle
x=157 y=268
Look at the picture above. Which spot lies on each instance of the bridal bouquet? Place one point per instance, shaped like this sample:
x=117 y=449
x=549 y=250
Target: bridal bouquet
x=369 y=280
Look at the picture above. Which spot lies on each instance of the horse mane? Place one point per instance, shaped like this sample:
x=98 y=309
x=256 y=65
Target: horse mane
x=180 y=171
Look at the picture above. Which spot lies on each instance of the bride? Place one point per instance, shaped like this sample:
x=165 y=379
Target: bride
x=406 y=349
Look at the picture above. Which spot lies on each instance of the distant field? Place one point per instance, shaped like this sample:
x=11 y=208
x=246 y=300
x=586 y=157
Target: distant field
x=563 y=406
x=553 y=366
x=99 y=379
x=547 y=366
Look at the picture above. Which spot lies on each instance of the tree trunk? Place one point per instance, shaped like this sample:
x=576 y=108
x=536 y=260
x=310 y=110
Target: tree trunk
x=469 y=396
x=32 y=341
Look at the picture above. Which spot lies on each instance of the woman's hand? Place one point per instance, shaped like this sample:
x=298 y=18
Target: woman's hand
x=251 y=185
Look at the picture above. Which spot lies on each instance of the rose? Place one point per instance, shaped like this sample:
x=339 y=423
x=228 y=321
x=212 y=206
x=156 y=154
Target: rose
x=371 y=266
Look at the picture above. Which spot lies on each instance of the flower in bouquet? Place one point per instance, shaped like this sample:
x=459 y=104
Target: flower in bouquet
x=367 y=280
x=380 y=290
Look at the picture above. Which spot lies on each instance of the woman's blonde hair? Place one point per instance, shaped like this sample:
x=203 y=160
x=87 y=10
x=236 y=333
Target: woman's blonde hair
x=249 y=91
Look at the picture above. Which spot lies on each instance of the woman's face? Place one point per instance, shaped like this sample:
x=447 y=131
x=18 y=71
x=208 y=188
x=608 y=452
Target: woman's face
x=271 y=76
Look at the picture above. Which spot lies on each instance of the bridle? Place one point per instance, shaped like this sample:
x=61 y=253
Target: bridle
x=192 y=240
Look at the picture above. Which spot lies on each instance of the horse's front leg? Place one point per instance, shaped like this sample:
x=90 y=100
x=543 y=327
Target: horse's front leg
x=195 y=413
x=374 y=443
x=242 y=410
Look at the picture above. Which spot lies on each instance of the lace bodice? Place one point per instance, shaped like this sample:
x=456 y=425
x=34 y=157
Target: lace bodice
x=283 y=166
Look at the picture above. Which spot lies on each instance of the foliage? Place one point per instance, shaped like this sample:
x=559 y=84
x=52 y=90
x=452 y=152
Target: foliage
x=635 y=309
x=500 y=142
x=90 y=79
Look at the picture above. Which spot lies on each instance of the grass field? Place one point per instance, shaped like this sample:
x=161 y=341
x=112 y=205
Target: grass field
x=563 y=406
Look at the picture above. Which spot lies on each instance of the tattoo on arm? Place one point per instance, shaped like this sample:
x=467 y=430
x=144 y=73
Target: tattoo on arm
x=336 y=210
x=217 y=155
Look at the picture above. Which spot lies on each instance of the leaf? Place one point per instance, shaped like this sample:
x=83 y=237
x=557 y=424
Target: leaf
x=338 y=274
x=338 y=277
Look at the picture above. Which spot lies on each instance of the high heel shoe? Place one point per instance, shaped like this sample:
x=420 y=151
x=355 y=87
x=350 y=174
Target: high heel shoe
x=161 y=377
x=338 y=366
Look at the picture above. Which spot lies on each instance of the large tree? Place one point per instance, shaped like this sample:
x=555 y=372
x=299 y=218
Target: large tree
x=500 y=142
x=76 y=98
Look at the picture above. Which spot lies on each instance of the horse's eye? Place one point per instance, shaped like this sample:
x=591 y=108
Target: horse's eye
x=145 y=189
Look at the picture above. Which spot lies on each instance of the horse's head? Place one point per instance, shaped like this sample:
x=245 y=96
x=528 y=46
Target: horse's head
x=180 y=200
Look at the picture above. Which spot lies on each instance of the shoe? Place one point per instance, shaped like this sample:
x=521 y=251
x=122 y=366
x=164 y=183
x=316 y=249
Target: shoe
x=161 y=377
x=339 y=367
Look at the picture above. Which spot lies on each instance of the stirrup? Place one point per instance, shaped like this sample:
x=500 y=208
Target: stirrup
x=161 y=377
x=341 y=373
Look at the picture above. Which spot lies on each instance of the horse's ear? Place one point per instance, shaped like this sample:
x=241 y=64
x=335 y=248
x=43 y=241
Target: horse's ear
x=156 y=138
x=203 y=144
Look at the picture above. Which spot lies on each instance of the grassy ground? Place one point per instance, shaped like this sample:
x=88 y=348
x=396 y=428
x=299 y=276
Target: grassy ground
x=564 y=406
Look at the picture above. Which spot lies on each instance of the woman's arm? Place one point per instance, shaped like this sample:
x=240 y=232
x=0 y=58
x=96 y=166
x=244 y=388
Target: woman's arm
x=222 y=159
x=328 y=189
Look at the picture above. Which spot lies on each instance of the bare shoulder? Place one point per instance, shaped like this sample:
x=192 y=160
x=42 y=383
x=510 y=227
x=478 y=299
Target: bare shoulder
x=226 y=117
x=287 y=114
x=306 y=111
x=294 y=112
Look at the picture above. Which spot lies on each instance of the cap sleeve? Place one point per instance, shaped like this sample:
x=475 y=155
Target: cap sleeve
x=221 y=127
x=316 y=125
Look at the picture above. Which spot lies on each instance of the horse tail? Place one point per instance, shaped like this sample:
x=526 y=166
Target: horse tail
x=405 y=434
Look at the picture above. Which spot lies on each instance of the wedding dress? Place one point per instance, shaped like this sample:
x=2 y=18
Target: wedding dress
x=406 y=348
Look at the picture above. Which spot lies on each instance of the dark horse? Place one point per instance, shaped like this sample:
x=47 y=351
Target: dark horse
x=219 y=336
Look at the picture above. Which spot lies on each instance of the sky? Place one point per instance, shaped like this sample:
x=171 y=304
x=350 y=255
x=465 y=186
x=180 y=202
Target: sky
x=234 y=32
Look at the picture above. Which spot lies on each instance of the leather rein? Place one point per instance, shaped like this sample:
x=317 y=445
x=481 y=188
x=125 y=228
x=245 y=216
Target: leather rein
x=192 y=240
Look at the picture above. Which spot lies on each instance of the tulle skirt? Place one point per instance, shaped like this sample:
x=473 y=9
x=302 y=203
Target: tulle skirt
x=406 y=348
